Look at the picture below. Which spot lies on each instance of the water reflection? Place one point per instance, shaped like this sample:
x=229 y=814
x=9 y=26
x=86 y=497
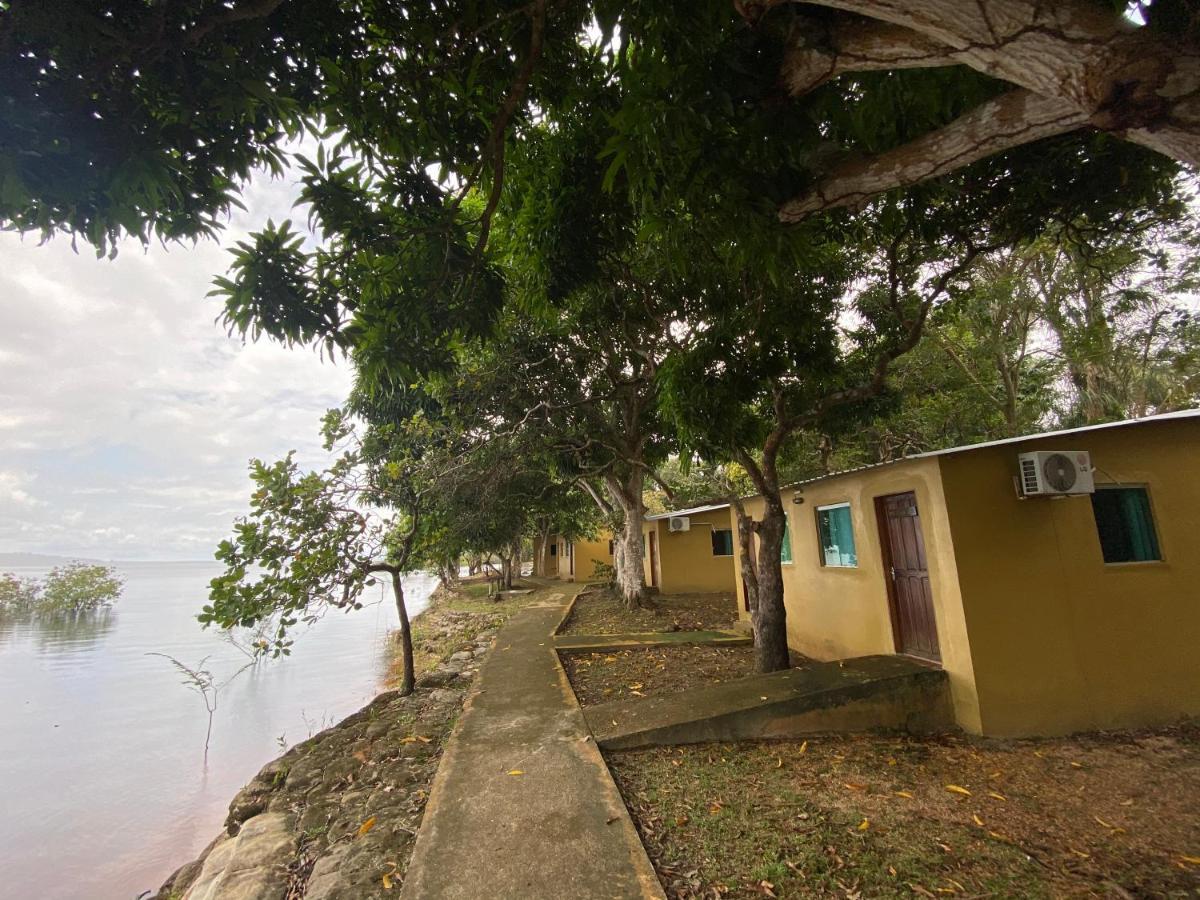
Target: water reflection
x=103 y=790
x=59 y=632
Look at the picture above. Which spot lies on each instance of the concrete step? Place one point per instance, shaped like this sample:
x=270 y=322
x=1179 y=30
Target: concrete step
x=860 y=694
x=649 y=639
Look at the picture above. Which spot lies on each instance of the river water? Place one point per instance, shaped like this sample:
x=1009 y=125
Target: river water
x=104 y=790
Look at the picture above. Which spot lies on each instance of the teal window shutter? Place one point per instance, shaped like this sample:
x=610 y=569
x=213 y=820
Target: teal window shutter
x=835 y=530
x=1125 y=524
x=785 y=550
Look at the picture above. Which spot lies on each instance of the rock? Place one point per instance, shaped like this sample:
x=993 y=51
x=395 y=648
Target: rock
x=250 y=865
x=462 y=656
x=443 y=696
x=323 y=881
x=437 y=678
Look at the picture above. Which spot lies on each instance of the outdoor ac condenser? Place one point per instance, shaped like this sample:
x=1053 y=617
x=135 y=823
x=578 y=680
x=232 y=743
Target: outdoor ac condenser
x=679 y=523
x=1054 y=473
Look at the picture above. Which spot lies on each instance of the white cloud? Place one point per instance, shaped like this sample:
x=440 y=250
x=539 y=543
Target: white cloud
x=127 y=415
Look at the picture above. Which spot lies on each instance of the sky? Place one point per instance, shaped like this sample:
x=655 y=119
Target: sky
x=127 y=415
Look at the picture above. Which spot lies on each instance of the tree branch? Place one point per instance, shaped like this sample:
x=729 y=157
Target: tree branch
x=1009 y=120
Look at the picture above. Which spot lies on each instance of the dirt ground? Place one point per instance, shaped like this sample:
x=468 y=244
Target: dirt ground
x=1106 y=815
x=599 y=612
x=601 y=676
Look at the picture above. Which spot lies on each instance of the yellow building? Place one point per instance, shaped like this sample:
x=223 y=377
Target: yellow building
x=690 y=551
x=575 y=560
x=1051 y=613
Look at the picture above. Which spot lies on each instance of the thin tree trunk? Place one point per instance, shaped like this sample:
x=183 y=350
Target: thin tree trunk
x=408 y=678
x=770 y=615
x=745 y=532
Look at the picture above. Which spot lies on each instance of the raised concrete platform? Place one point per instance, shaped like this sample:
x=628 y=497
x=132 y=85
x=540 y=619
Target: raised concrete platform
x=649 y=639
x=523 y=805
x=862 y=694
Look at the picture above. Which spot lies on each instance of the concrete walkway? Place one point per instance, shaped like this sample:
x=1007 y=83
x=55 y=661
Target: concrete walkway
x=558 y=829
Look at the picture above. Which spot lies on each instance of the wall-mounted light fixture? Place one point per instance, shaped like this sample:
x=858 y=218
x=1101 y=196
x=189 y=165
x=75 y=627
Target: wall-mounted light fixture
x=797 y=496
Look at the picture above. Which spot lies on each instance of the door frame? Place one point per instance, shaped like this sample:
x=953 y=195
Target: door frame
x=652 y=547
x=885 y=555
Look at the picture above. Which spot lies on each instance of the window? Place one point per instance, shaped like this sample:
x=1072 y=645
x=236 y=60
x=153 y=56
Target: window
x=554 y=549
x=722 y=542
x=610 y=548
x=1125 y=525
x=785 y=549
x=836 y=534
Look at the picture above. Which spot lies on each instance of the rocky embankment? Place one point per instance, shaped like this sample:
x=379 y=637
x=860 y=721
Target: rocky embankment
x=335 y=817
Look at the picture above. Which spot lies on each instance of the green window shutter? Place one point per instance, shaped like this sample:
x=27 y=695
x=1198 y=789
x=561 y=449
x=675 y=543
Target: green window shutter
x=785 y=551
x=835 y=530
x=722 y=542
x=1125 y=524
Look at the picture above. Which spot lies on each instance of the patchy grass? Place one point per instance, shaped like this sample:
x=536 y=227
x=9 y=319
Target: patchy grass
x=601 y=676
x=453 y=619
x=1107 y=815
x=599 y=611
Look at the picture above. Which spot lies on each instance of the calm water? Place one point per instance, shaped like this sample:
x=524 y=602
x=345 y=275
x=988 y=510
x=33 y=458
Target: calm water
x=103 y=786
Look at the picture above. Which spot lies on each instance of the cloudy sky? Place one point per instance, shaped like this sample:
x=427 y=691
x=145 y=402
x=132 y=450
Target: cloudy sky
x=127 y=416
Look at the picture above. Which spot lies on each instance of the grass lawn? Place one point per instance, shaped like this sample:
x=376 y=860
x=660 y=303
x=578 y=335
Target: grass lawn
x=1107 y=815
x=600 y=612
x=601 y=676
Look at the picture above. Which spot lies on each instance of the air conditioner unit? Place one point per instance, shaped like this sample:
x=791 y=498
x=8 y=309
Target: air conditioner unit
x=679 y=523
x=1055 y=472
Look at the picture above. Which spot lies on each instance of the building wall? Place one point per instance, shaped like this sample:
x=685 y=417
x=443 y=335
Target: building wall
x=588 y=553
x=685 y=559
x=834 y=613
x=1062 y=641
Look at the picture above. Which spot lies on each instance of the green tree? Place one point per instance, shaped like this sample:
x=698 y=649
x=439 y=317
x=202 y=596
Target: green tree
x=315 y=541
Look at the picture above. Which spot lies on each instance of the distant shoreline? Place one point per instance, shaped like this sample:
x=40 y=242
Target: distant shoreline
x=49 y=559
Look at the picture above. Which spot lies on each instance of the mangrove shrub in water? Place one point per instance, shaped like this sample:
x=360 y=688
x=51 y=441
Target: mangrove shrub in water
x=73 y=588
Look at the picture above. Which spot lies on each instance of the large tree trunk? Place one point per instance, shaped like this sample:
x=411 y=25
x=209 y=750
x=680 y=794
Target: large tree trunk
x=769 y=614
x=516 y=556
x=629 y=562
x=407 y=678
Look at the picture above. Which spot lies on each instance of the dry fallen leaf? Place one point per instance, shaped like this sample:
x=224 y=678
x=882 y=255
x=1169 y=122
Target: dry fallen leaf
x=515 y=772
x=905 y=794
x=681 y=820
x=779 y=762
x=958 y=789
x=854 y=785
x=996 y=796
x=864 y=825
x=1190 y=860
x=804 y=747
x=1080 y=853
x=387 y=881
x=366 y=826
x=891 y=760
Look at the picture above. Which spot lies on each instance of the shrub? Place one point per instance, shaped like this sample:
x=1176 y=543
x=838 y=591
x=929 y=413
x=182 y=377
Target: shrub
x=602 y=571
x=77 y=587
x=17 y=595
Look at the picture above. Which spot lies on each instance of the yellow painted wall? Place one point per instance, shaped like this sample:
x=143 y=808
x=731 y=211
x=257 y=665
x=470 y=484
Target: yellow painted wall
x=588 y=553
x=685 y=559
x=580 y=554
x=1061 y=641
x=833 y=613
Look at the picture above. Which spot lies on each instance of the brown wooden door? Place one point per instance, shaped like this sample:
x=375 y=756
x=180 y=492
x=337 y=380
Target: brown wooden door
x=907 y=573
x=652 y=543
